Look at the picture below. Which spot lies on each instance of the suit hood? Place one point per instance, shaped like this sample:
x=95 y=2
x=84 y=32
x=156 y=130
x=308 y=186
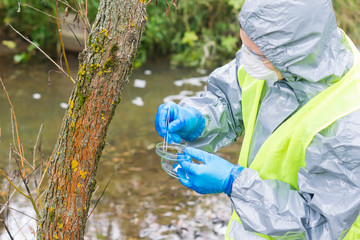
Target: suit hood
x=299 y=37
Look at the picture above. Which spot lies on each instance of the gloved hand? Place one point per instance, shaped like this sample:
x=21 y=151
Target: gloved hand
x=215 y=175
x=183 y=122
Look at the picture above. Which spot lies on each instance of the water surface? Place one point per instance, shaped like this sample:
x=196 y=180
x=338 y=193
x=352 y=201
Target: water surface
x=141 y=201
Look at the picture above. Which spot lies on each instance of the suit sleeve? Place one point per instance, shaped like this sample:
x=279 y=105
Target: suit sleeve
x=221 y=106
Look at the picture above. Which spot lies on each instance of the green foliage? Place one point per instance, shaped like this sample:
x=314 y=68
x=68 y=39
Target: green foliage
x=31 y=23
x=197 y=33
x=236 y=4
x=206 y=33
x=25 y=55
x=31 y=18
x=10 y=44
x=348 y=17
x=189 y=38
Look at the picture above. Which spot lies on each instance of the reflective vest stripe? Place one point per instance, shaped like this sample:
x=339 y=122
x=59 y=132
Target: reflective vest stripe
x=250 y=103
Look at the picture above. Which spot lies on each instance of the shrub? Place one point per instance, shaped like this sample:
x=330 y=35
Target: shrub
x=200 y=33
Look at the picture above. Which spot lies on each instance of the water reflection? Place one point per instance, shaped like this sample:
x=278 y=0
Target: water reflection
x=141 y=201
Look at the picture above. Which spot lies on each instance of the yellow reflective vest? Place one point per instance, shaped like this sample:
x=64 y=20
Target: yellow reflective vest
x=283 y=153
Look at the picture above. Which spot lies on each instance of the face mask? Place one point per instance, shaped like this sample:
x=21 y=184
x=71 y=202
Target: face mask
x=255 y=67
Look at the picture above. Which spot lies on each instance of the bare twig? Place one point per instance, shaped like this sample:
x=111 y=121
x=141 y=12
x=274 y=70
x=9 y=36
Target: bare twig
x=12 y=127
x=31 y=198
x=13 y=113
x=12 y=184
x=68 y=5
x=38 y=10
x=60 y=37
x=33 y=171
x=8 y=201
x=47 y=166
x=19 y=212
x=49 y=15
x=74 y=25
x=25 y=182
x=20 y=228
x=26 y=39
x=38 y=192
x=21 y=156
x=25 y=161
x=84 y=20
x=43 y=176
x=49 y=79
x=38 y=197
x=10 y=151
x=102 y=193
x=85 y=31
x=36 y=143
x=5 y=205
x=34 y=160
x=7 y=229
x=76 y=36
x=27 y=196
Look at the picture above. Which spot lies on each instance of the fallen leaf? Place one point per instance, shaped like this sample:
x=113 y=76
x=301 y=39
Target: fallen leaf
x=9 y=44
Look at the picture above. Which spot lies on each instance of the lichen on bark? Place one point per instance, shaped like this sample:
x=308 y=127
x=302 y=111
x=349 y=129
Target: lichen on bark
x=104 y=68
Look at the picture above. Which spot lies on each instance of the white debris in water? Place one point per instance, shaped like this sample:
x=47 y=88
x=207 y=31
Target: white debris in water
x=150 y=146
x=139 y=83
x=192 y=81
x=138 y=101
x=64 y=105
x=36 y=96
x=220 y=229
x=147 y=72
x=201 y=71
x=180 y=96
x=167 y=214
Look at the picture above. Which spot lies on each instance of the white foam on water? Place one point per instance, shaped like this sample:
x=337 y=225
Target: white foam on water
x=138 y=101
x=139 y=83
x=147 y=72
x=36 y=96
x=198 y=81
x=64 y=105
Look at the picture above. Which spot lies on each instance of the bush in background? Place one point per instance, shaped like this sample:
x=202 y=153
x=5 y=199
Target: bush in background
x=197 y=34
x=348 y=16
x=203 y=33
x=36 y=25
x=32 y=19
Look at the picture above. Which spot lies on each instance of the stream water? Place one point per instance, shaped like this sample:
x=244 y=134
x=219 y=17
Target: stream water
x=141 y=201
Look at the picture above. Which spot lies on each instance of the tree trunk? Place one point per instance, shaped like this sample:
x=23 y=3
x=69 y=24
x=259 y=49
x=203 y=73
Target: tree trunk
x=103 y=72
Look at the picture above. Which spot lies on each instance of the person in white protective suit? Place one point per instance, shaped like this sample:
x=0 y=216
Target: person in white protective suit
x=293 y=90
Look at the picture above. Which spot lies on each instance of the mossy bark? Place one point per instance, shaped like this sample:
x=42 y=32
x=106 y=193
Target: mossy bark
x=103 y=72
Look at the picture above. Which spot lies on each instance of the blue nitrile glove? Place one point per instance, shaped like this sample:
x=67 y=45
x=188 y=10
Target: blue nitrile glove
x=184 y=122
x=215 y=175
